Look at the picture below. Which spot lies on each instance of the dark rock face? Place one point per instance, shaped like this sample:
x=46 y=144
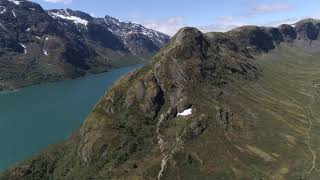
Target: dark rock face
x=40 y=46
x=307 y=29
x=138 y=39
x=288 y=32
x=134 y=42
x=252 y=36
x=105 y=38
x=275 y=34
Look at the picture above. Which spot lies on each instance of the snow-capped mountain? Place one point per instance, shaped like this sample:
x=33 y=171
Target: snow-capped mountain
x=124 y=29
x=38 y=45
x=136 y=38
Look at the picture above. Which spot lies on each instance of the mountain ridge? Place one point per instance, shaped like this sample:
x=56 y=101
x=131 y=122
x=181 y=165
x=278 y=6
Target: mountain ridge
x=246 y=120
x=43 y=46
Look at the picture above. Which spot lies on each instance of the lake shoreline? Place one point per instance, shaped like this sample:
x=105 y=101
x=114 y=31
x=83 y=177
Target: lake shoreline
x=67 y=78
x=33 y=117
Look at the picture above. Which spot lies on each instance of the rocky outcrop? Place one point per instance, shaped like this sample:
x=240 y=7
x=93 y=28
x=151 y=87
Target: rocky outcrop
x=307 y=29
x=288 y=33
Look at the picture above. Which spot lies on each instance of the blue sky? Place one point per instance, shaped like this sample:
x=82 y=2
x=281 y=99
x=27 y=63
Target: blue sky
x=208 y=15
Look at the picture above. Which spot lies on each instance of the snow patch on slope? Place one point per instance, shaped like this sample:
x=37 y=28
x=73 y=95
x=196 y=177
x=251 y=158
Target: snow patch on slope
x=75 y=19
x=45 y=52
x=14 y=14
x=186 y=112
x=3 y=27
x=123 y=29
x=24 y=47
x=15 y=2
x=3 y=11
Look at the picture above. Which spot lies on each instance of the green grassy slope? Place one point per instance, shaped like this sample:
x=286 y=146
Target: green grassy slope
x=274 y=127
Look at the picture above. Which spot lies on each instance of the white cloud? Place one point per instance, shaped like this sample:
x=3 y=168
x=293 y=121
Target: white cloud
x=93 y=14
x=223 y=24
x=227 y=23
x=169 y=26
x=135 y=15
x=271 y=8
x=59 y=1
x=315 y=16
x=292 y=20
x=283 y=21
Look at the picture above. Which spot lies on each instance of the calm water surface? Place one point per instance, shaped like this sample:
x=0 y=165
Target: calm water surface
x=34 y=117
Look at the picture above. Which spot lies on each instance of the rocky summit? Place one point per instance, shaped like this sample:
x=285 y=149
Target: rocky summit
x=43 y=46
x=236 y=105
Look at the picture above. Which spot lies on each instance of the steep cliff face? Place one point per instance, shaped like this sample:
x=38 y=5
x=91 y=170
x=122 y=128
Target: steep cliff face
x=208 y=106
x=42 y=46
x=307 y=29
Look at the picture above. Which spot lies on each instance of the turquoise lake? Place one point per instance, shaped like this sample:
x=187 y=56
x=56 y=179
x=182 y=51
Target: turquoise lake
x=34 y=117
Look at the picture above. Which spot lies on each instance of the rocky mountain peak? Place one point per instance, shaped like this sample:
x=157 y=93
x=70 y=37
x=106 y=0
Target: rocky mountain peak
x=307 y=29
x=77 y=17
x=13 y=2
x=187 y=34
x=70 y=14
x=308 y=20
x=111 y=20
x=20 y=4
x=252 y=38
x=188 y=42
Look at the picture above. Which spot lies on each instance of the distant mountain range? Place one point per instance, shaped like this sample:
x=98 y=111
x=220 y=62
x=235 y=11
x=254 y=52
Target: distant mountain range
x=37 y=45
x=237 y=105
